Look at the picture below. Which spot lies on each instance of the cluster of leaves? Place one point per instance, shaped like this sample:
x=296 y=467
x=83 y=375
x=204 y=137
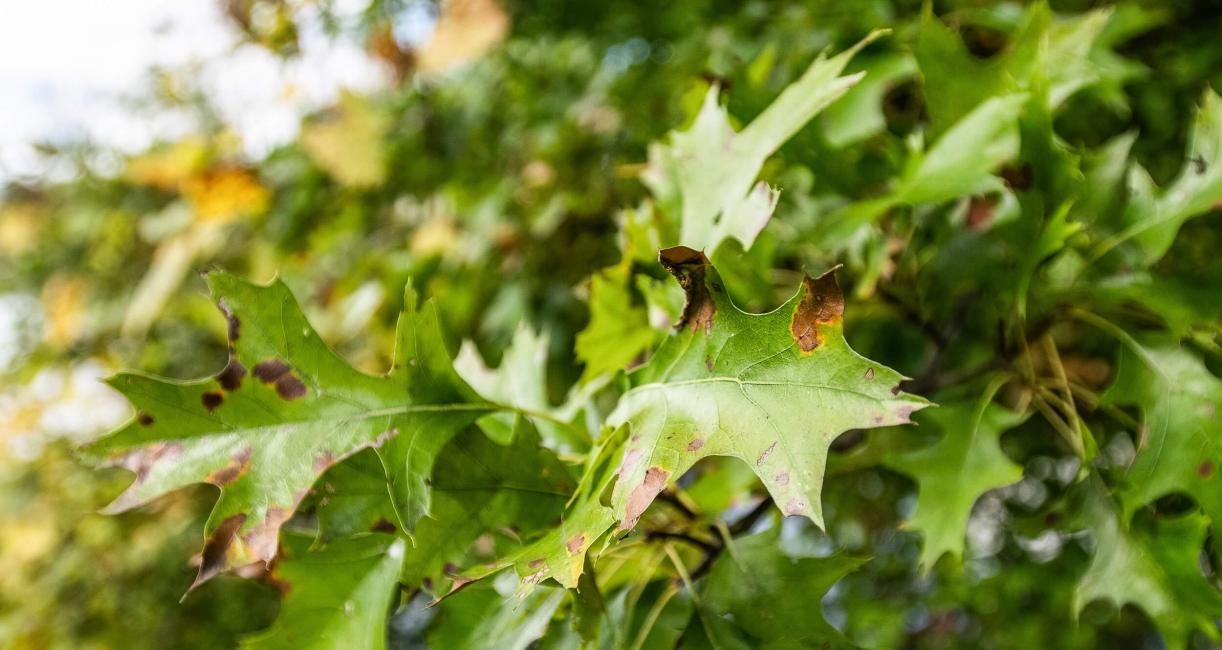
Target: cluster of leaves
x=679 y=460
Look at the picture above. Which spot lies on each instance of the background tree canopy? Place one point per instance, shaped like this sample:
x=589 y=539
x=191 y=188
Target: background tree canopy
x=606 y=325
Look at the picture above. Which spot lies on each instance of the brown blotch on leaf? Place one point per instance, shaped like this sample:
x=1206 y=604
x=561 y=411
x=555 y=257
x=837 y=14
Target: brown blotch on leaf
x=234 y=325
x=691 y=268
x=382 y=525
x=576 y=543
x=708 y=363
x=794 y=506
x=290 y=387
x=535 y=564
x=695 y=444
x=235 y=469
x=643 y=495
x=629 y=462
x=216 y=549
x=766 y=453
x=869 y=373
x=278 y=373
x=263 y=539
x=822 y=304
x=782 y=479
x=1018 y=177
x=141 y=461
x=1206 y=469
x=230 y=378
x=323 y=461
x=144 y=419
x=212 y=400
x=270 y=370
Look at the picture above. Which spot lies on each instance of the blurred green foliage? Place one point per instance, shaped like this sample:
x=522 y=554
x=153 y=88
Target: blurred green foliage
x=498 y=186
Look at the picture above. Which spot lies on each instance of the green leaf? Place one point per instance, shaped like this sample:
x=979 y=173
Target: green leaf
x=352 y=498
x=521 y=382
x=1154 y=217
x=619 y=330
x=483 y=618
x=336 y=597
x=956 y=81
x=1180 y=446
x=705 y=177
x=859 y=115
x=954 y=472
x=283 y=410
x=772 y=390
x=484 y=488
x=1156 y=568
x=759 y=597
x=959 y=163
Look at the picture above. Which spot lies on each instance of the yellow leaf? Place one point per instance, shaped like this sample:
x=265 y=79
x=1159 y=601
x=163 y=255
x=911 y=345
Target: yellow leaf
x=465 y=31
x=434 y=237
x=168 y=167
x=225 y=194
x=19 y=226
x=63 y=303
x=347 y=142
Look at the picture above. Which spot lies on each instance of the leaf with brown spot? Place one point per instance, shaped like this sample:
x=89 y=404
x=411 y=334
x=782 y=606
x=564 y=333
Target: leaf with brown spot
x=265 y=442
x=784 y=385
x=822 y=306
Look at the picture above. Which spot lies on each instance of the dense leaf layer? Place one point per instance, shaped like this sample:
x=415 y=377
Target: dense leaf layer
x=283 y=410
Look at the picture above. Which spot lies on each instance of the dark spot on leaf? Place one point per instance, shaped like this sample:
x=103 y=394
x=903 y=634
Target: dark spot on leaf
x=277 y=372
x=895 y=390
x=691 y=268
x=695 y=444
x=144 y=418
x=822 y=304
x=643 y=495
x=382 y=525
x=794 y=506
x=782 y=479
x=708 y=363
x=869 y=373
x=270 y=370
x=290 y=387
x=235 y=325
x=1206 y=469
x=1018 y=177
x=236 y=468
x=983 y=42
x=212 y=400
x=535 y=564
x=216 y=549
x=231 y=376
x=576 y=543
x=764 y=456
